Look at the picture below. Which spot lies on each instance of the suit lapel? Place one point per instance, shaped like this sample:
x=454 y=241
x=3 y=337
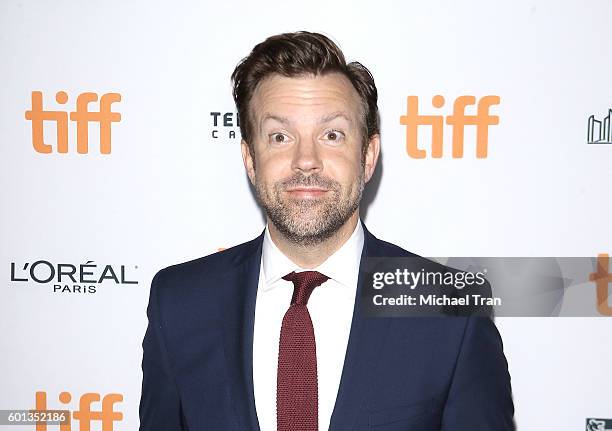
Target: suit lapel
x=366 y=339
x=238 y=336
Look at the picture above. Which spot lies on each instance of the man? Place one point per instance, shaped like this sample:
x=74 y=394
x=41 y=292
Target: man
x=268 y=334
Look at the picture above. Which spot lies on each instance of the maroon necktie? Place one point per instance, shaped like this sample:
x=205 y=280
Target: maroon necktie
x=296 y=386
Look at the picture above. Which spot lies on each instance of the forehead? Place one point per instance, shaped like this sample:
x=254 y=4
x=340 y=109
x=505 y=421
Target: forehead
x=305 y=98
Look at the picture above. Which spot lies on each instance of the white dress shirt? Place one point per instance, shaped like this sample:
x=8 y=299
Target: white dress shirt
x=331 y=309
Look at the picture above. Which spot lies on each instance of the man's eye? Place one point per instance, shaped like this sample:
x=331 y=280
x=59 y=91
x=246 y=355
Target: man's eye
x=334 y=135
x=279 y=138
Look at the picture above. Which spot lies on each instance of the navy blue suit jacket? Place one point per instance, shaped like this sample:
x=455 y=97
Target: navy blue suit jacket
x=400 y=374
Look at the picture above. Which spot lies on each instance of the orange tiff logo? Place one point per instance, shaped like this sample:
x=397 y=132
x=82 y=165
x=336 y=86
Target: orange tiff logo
x=82 y=117
x=458 y=120
x=602 y=278
x=106 y=416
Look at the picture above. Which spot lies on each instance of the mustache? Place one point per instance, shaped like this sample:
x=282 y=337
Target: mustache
x=313 y=180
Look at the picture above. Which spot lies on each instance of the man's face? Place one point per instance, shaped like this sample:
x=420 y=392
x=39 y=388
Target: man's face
x=308 y=168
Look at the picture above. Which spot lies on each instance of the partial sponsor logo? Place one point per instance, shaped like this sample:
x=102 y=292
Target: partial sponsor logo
x=225 y=126
x=87 y=413
x=593 y=424
x=602 y=278
x=72 y=278
x=599 y=132
x=82 y=116
x=457 y=121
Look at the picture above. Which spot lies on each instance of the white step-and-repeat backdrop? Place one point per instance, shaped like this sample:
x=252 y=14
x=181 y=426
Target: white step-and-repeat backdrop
x=120 y=155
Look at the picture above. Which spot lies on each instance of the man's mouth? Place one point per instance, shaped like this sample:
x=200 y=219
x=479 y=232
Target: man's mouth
x=306 y=192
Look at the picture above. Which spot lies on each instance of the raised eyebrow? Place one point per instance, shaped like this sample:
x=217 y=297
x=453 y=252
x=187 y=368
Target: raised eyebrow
x=268 y=116
x=334 y=115
x=322 y=120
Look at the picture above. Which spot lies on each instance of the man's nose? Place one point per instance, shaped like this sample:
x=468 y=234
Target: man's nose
x=307 y=157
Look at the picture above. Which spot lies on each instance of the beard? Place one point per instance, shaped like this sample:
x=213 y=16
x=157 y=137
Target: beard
x=309 y=222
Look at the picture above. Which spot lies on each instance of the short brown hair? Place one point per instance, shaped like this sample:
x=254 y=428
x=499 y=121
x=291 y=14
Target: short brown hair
x=297 y=54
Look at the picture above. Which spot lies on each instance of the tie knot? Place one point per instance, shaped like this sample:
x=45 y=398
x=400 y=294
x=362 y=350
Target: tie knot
x=303 y=284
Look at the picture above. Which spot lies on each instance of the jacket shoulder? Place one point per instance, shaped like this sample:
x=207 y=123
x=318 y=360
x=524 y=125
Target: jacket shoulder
x=388 y=249
x=378 y=248
x=384 y=249
x=210 y=266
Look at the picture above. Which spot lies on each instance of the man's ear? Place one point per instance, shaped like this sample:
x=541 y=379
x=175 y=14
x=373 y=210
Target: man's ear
x=371 y=156
x=247 y=159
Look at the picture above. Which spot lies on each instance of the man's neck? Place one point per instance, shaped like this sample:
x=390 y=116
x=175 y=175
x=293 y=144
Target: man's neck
x=311 y=256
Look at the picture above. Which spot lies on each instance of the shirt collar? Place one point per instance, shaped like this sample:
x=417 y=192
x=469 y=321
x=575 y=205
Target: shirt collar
x=342 y=266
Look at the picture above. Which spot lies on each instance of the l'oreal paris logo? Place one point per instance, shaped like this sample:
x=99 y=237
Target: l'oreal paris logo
x=73 y=278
